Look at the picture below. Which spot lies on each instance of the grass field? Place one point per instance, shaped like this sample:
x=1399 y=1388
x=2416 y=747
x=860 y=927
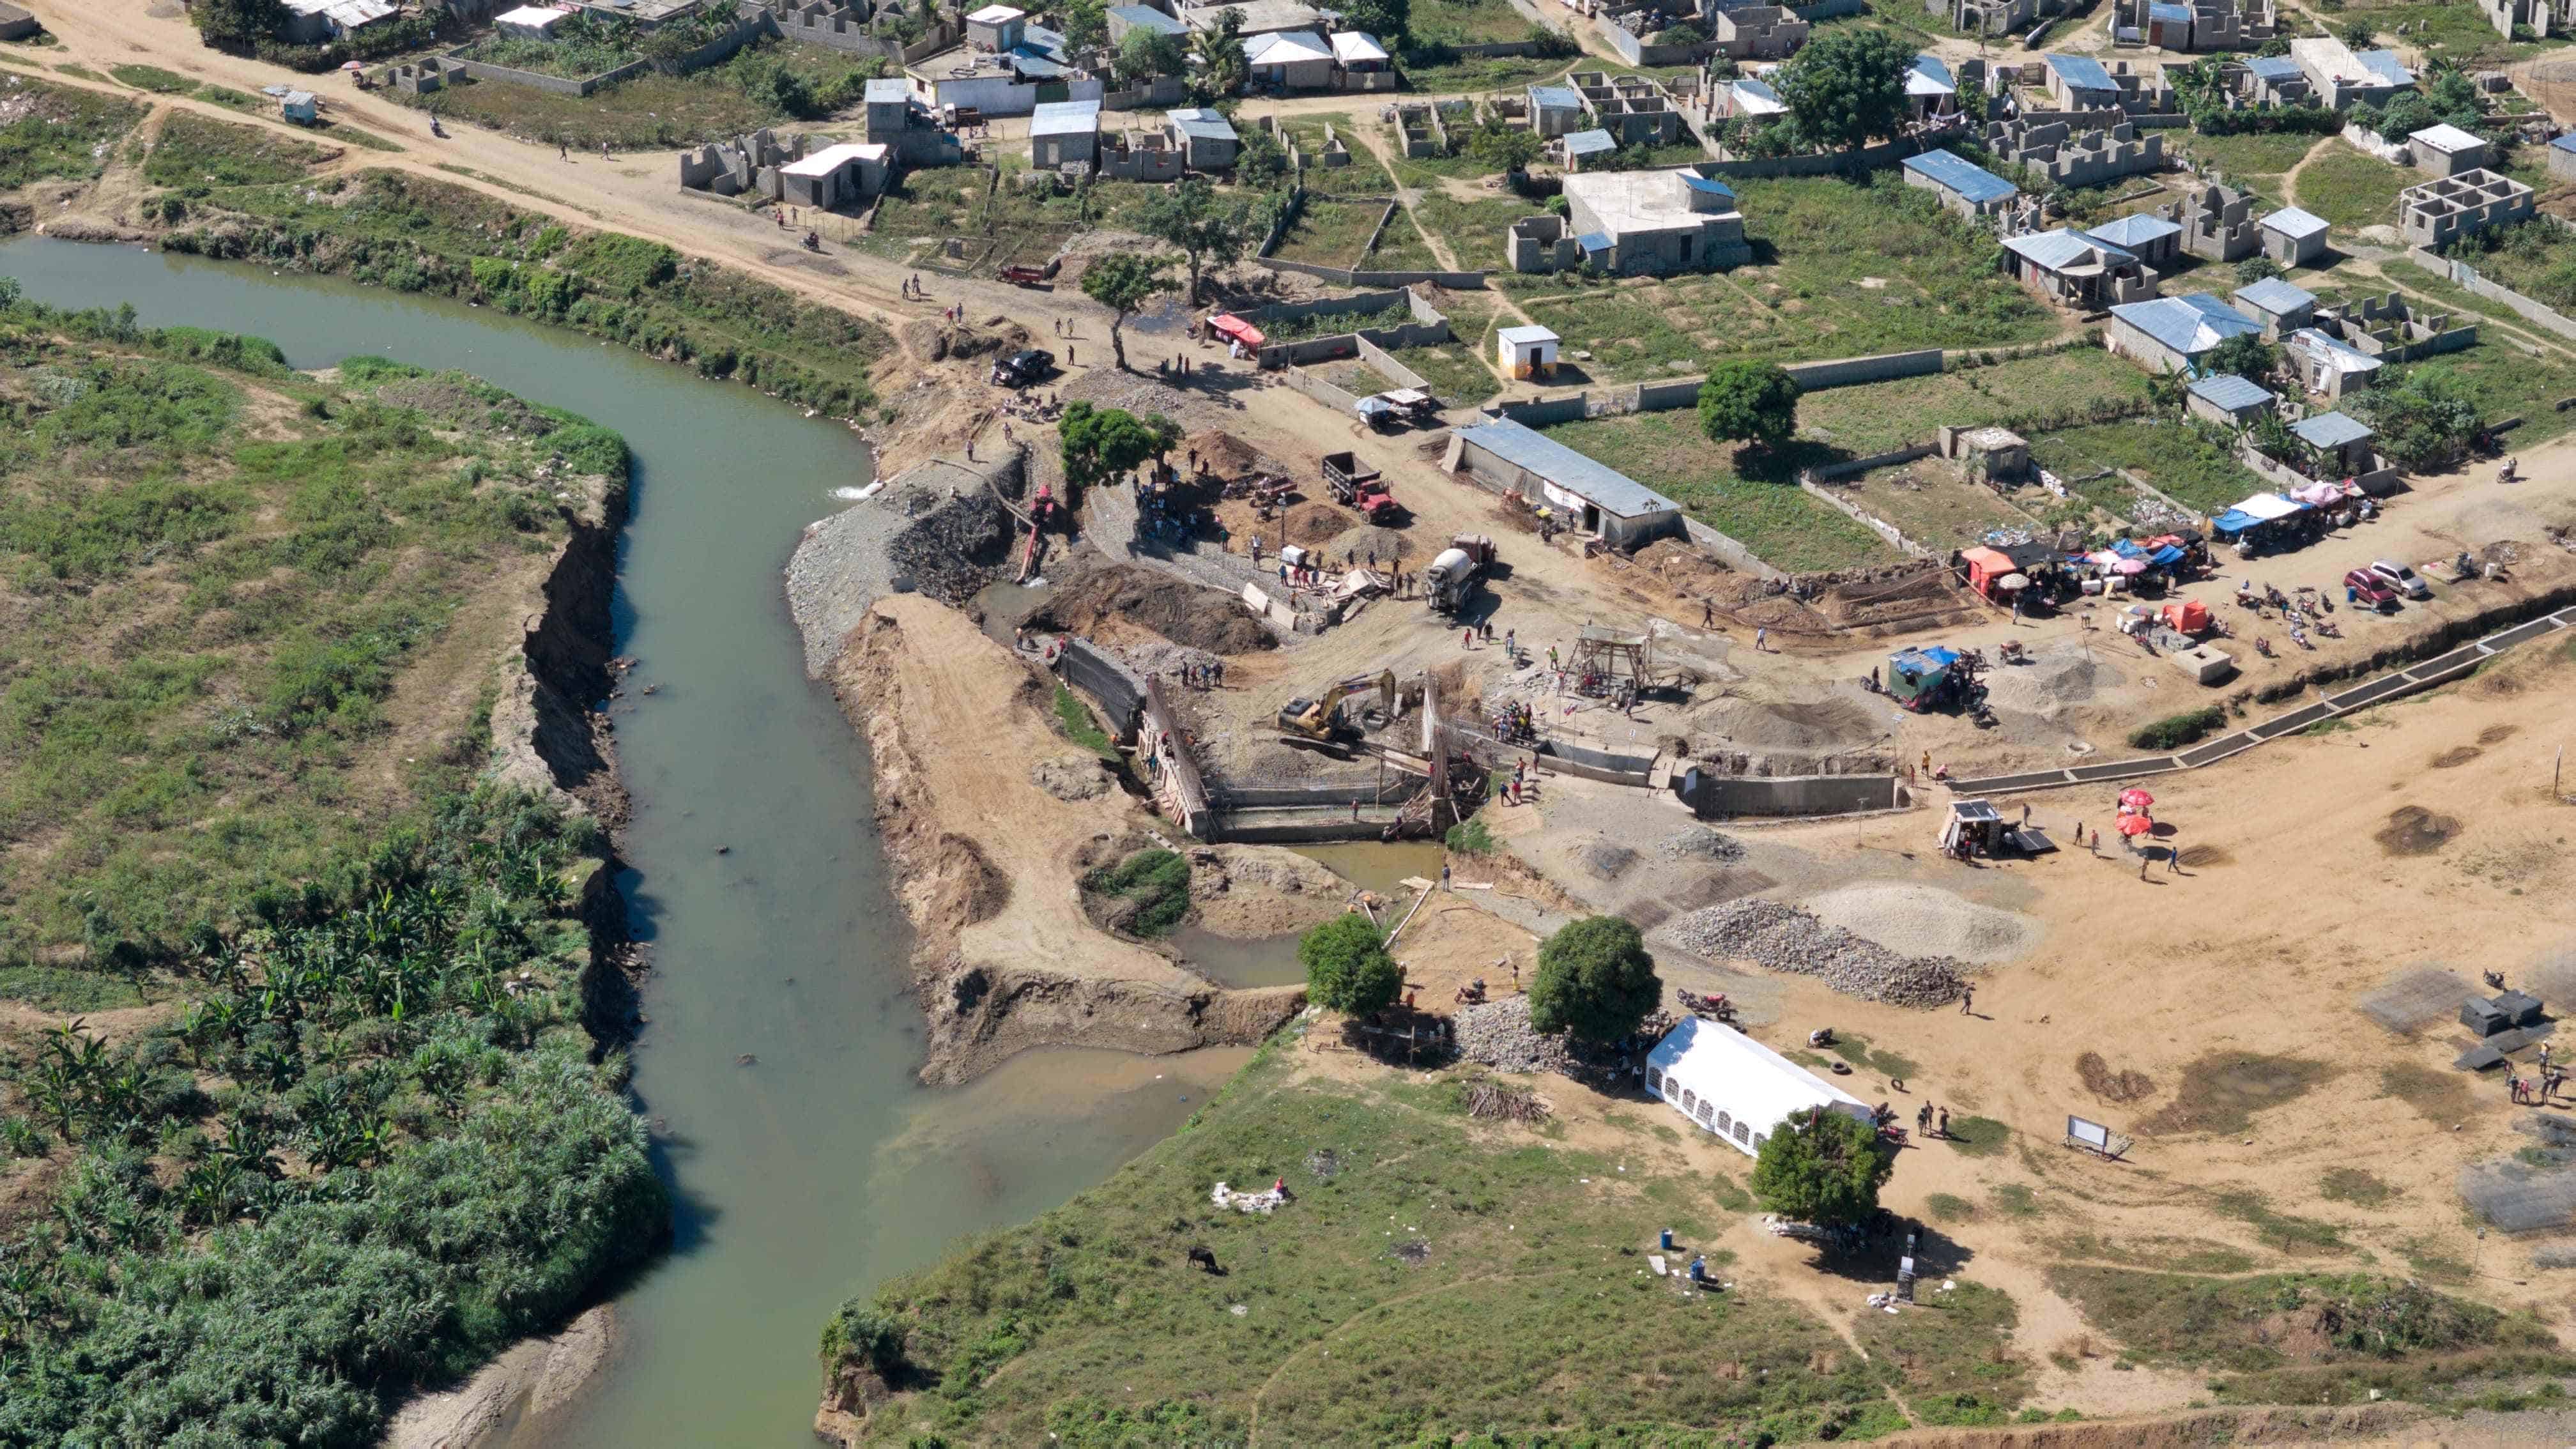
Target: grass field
x=2454 y=31
x=1470 y=22
x=1401 y=248
x=2506 y=383
x=154 y=78
x=1456 y=376
x=2255 y=160
x=1842 y=270
x=1768 y=514
x=195 y=153
x=2352 y=189
x=60 y=131
x=2174 y=458
x=655 y=111
x=1332 y=231
x=2024 y=393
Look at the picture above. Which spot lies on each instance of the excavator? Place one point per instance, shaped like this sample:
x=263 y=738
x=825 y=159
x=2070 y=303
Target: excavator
x=1317 y=724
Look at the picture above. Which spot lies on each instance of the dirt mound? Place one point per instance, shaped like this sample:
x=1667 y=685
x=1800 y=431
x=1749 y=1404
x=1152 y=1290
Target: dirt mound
x=2113 y=1086
x=2452 y=759
x=1922 y=920
x=1859 y=604
x=940 y=341
x=1686 y=571
x=1181 y=612
x=2414 y=830
x=1224 y=454
x=1314 y=523
x=2497 y=734
x=1072 y=777
x=2050 y=682
x=1804 y=724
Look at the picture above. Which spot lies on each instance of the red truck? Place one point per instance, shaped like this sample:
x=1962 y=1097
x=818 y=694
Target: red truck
x=1356 y=485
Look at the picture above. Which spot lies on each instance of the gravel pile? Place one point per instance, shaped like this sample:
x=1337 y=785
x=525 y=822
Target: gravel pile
x=1699 y=842
x=1926 y=921
x=856 y=556
x=1780 y=937
x=1499 y=1034
x=955 y=547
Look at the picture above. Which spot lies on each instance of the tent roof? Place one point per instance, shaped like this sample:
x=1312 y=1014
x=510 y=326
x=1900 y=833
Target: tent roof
x=1993 y=561
x=1351 y=46
x=1749 y=1079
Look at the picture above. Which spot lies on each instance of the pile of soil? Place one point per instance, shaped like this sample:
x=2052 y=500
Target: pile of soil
x=1183 y=613
x=1313 y=523
x=1857 y=605
x=1685 y=570
x=1830 y=723
x=939 y=341
x=1225 y=455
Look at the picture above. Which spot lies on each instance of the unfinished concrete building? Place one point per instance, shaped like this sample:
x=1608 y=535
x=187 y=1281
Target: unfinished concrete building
x=1631 y=223
x=2217 y=223
x=2204 y=24
x=2077 y=270
x=2060 y=154
x=2342 y=77
x=2270 y=80
x=1147 y=155
x=2544 y=18
x=1418 y=125
x=906 y=128
x=743 y=164
x=2442 y=211
x=1759 y=32
x=1996 y=17
x=2393 y=329
x=1632 y=108
x=2084 y=83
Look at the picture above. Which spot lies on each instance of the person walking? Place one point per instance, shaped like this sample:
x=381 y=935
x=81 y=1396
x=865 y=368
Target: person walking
x=1467 y=637
x=1444 y=875
x=1967 y=1001
x=1923 y=1119
x=1511 y=644
x=1927 y=762
x=603 y=151
x=1945 y=1124
x=1707 y=613
x=563 y=151
x=1761 y=640
x=2145 y=858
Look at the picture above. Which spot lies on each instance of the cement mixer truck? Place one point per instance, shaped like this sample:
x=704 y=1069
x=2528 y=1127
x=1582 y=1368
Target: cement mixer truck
x=1451 y=579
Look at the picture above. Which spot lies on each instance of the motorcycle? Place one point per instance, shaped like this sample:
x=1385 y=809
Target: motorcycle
x=1714 y=1008
x=436 y=129
x=813 y=241
x=2263 y=646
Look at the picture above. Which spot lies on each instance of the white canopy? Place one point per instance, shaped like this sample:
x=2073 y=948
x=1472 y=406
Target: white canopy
x=1735 y=1086
x=2268 y=506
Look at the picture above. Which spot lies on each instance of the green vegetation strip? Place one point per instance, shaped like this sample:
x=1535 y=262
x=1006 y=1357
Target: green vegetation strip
x=60 y=132
x=1768 y=514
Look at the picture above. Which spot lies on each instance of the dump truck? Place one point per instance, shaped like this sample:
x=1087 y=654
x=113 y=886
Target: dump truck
x=1318 y=723
x=1451 y=579
x=1356 y=485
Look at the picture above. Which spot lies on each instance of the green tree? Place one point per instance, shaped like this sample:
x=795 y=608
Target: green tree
x=2423 y=416
x=1101 y=443
x=1190 y=217
x=2246 y=355
x=1143 y=55
x=1846 y=87
x=1124 y=282
x=1683 y=34
x=1086 y=24
x=1595 y=978
x=1260 y=161
x=1973 y=100
x=1347 y=968
x=1498 y=147
x=1223 y=67
x=2358 y=33
x=1391 y=21
x=238 y=23
x=2256 y=268
x=1749 y=402
x=1826 y=1169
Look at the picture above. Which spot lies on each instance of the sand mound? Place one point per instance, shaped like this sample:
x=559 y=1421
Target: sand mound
x=1804 y=724
x=1312 y=523
x=1222 y=453
x=2049 y=683
x=1922 y=920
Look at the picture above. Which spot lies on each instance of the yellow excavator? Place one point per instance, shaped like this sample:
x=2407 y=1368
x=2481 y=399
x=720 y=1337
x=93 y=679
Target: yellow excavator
x=1318 y=723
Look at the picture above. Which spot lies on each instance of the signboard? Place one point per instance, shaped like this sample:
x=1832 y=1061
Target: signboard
x=1561 y=498
x=2091 y=1134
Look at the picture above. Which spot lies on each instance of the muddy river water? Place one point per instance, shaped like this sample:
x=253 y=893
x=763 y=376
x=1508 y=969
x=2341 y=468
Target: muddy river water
x=820 y=1168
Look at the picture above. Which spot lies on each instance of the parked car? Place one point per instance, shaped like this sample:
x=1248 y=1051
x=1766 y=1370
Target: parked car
x=2369 y=590
x=1022 y=368
x=2401 y=578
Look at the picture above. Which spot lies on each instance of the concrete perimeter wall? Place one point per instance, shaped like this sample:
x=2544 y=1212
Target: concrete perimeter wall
x=1885 y=153
x=2460 y=274
x=1721 y=796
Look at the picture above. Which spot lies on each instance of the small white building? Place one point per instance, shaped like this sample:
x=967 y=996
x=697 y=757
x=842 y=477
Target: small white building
x=1735 y=1086
x=996 y=27
x=2446 y=150
x=529 y=22
x=835 y=176
x=1525 y=351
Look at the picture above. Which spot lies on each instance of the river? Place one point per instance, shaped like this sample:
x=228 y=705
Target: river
x=821 y=1168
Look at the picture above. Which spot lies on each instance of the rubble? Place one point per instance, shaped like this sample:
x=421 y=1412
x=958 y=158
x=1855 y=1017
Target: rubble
x=1780 y=937
x=1499 y=1034
x=1073 y=777
x=1699 y=842
x=951 y=549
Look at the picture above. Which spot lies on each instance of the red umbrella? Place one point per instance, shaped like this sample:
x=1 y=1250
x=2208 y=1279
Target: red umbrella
x=2135 y=825
x=2136 y=798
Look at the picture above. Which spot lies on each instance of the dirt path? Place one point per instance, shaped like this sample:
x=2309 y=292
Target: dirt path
x=2290 y=178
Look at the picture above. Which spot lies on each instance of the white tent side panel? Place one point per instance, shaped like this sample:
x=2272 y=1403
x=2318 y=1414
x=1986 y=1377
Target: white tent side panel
x=1729 y=1084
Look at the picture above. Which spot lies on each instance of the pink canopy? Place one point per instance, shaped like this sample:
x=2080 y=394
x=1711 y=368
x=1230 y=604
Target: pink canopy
x=2135 y=825
x=2130 y=566
x=2137 y=797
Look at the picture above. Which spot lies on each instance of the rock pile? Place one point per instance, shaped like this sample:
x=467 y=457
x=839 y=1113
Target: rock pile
x=1072 y=777
x=1499 y=1034
x=954 y=548
x=1781 y=937
x=1699 y=842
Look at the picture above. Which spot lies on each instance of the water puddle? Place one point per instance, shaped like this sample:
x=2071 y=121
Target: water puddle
x=1238 y=961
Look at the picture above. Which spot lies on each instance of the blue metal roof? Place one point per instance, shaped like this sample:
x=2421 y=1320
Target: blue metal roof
x=2170 y=13
x=2289 y=221
x=1589 y=143
x=1955 y=173
x=1932 y=66
x=1146 y=17
x=2056 y=250
x=2082 y=72
x=2277 y=296
x=2190 y=324
x=2134 y=231
x=1030 y=61
x=2564 y=143
x=1202 y=125
x=1707 y=185
x=1555 y=98
x=1588 y=478
x=1594 y=242
x=2230 y=392
x=2331 y=430
x=2274 y=68
x=2385 y=65
x=1065 y=118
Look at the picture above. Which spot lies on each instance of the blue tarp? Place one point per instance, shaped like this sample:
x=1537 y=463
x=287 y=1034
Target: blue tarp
x=2125 y=549
x=2165 y=557
x=2233 y=521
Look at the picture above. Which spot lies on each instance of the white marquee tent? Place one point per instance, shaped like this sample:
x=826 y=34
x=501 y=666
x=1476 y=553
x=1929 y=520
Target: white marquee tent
x=1735 y=1086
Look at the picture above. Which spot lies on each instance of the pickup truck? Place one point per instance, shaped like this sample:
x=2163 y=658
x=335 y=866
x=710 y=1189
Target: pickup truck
x=1356 y=485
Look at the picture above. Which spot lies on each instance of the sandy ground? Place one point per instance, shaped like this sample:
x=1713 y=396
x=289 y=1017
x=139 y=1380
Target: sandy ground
x=531 y=1380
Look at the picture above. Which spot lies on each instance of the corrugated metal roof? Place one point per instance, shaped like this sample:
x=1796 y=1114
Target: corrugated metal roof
x=2082 y=72
x=1758 y=93
x=2233 y=393
x=2385 y=65
x=1287 y=47
x=1587 y=478
x=1065 y=118
x=1589 y=143
x=1595 y=242
x=2277 y=296
x=1202 y=125
x=2328 y=349
x=2289 y=221
x=2331 y=430
x=2134 y=231
x=2190 y=324
x=1356 y=47
x=1555 y=98
x=2170 y=13
x=2564 y=143
x=888 y=89
x=2447 y=137
x=995 y=15
x=1957 y=174
x=2274 y=68
x=1147 y=18
x=2062 y=248
x=1028 y=60
x=1707 y=184
x=1931 y=67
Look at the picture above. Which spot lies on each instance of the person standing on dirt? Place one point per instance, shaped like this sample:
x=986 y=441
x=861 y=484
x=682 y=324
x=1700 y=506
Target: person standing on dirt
x=1761 y=640
x=1923 y=1119
x=1967 y=1001
x=1511 y=643
x=1467 y=637
x=1945 y=1124
x=1707 y=613
x=1444 y=875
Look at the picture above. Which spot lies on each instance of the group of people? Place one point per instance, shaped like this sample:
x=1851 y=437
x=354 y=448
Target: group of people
x=1931 y=1121
x=1210 y=675
x=2528 y=1092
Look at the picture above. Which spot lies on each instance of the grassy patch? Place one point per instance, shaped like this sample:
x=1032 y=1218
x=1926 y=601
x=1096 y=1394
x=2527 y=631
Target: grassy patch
x=1856 y=1050
x=195 y=152
x=2164 y=1254
x=1954 y=1360
x=348 y=135
x=2014 y=1199
x=2351 y=188
x=2249 y=158
x=2442 y=1097
x=1075 y=718
x=1978 y=1136
x=2027 y=394
x=154 y=78
x=1331 y=231
x=2458 y=33
x=2287 y=1232
x=1782 y=524
x=1454 y=374
x=227 y=96
x=655 y=111
x=2266 y=1323
x=61 y=132
x=2356 y=1186
x=2221 y=1093
x=2177 y=730
x=2505 y=382
x=1404 y=1227
x=1946 y=1208
x=2173 y=457
x=59 y=988
x=1153 y=884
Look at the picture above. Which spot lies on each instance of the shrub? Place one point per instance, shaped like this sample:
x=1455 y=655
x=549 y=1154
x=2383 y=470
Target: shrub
x=1595 y=979
x=1469 y=837
x=1347 y=968
x=1156 y=883
x=2177 y=730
